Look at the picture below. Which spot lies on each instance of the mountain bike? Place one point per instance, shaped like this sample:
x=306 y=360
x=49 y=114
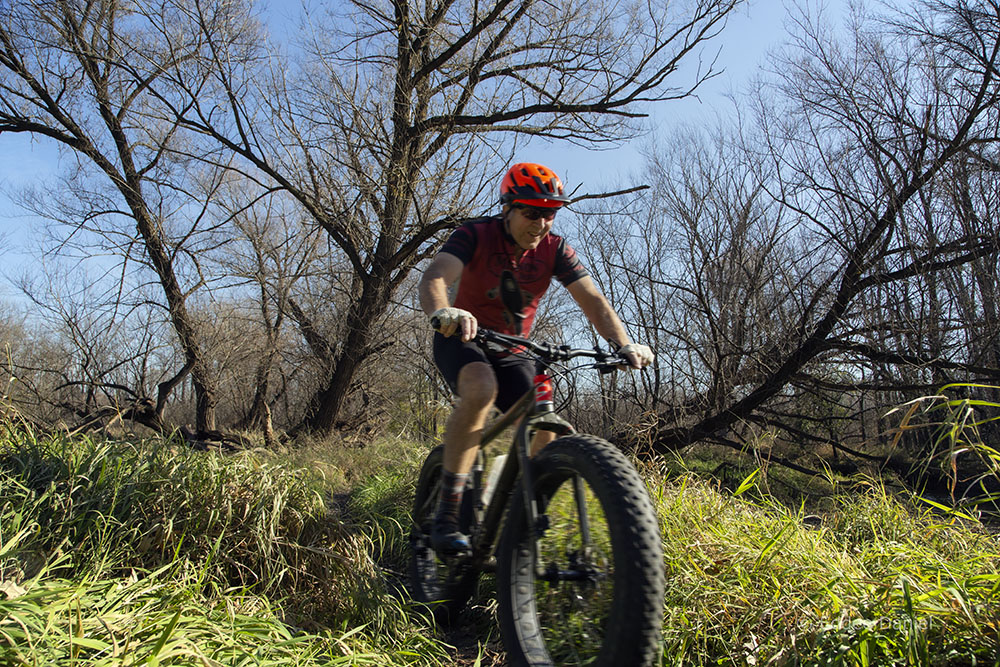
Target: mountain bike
x=571 y=533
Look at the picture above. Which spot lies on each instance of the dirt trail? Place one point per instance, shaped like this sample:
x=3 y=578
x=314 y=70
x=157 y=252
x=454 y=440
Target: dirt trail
x=468 y=649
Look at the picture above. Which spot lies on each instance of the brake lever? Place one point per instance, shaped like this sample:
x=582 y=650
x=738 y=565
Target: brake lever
x=611 y=362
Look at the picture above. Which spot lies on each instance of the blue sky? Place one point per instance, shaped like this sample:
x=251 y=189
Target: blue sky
x=750 y=34
x=743 y=45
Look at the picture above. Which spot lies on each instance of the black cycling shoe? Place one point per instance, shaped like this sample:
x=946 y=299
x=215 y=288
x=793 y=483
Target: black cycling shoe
x=447 y=539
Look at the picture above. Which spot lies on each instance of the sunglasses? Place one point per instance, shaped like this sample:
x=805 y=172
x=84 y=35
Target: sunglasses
x=535 y=212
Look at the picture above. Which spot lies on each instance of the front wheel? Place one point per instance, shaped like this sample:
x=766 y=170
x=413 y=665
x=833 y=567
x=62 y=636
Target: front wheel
x=594 y=593
x=445 y=585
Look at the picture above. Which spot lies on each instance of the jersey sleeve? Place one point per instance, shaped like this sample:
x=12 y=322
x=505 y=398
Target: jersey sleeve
x=568 y=268
x=462 y=243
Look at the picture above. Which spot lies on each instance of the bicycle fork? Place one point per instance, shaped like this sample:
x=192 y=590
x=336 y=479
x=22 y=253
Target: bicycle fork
x=546 y=419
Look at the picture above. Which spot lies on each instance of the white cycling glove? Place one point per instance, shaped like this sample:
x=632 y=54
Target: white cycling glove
x=639 y=356
x=449 y=320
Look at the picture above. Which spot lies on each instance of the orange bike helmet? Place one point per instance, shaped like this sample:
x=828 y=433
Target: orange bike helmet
x=532 y=184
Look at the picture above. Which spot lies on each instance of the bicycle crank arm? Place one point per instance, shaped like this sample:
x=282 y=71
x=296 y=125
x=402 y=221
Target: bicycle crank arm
x=552 y=575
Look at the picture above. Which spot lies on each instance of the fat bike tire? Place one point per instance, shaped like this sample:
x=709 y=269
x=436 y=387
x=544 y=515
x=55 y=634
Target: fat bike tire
x=613 y=615
x=444 y=585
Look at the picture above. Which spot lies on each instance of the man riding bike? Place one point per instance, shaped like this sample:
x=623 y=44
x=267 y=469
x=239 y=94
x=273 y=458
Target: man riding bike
x=504 y=264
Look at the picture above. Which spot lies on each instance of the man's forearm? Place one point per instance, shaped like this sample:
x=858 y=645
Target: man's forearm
x=609 y=326
x=599 y=311
x=433 y=294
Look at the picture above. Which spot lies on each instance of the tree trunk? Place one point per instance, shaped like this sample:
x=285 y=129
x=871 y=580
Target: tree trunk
x=327 y=404
x=206 y=391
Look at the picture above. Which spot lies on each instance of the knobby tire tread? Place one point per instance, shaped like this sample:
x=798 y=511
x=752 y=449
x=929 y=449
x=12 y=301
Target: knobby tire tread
x=634 y=626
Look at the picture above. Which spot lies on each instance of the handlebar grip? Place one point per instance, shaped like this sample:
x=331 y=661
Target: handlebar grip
x=435 y=323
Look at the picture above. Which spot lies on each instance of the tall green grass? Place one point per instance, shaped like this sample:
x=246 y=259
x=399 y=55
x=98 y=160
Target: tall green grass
x=958 y=424
x=128 y=553
x=884 y=579
x=149 y=553
x=881 y=582
x=160 y=619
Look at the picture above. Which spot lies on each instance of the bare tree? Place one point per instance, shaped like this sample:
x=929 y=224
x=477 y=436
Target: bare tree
x=90 y=361
x=838 y=254
x=704 y=267
x=82 y=74
x=384 y=131
x=277 y=252
x=398 y=113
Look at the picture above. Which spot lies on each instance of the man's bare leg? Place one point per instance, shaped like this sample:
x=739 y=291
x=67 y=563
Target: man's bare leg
x=477 y=388
x=540 y=439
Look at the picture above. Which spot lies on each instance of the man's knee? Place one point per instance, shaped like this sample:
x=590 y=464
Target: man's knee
x=477 y=384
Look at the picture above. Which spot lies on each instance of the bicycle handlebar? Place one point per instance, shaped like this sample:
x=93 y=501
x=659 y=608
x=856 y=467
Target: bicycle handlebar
x=549 y=352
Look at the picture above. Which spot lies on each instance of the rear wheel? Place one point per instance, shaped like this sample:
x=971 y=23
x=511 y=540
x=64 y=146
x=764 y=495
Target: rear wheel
x=592 y=599
x=445 y=585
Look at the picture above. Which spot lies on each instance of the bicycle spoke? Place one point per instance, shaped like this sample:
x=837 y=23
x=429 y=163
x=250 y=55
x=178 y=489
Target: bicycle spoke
x=573 y=612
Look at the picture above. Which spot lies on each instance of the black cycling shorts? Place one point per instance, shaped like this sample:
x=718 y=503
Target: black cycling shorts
x=515 y=374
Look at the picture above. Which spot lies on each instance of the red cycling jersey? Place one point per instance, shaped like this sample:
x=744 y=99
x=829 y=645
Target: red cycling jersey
x=488 y=251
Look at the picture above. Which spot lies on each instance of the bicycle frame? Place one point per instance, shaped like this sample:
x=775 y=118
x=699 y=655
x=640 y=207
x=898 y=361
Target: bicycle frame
x=484 y=540
x=552 y=557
